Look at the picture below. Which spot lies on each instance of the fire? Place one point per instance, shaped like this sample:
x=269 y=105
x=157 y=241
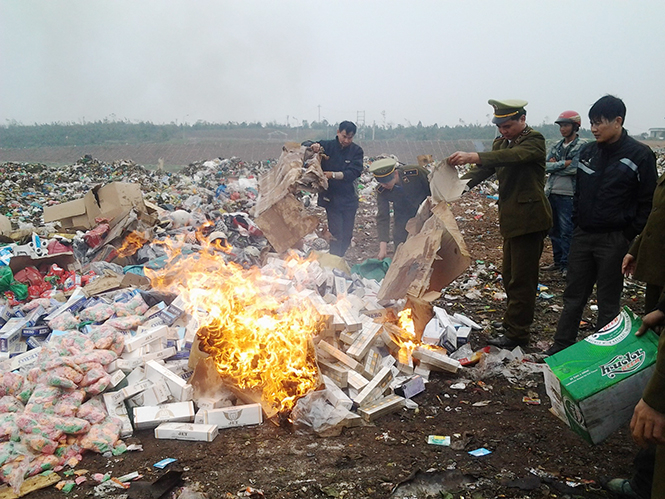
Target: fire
x=132 y=243
x=406 y=322
x=259 y=337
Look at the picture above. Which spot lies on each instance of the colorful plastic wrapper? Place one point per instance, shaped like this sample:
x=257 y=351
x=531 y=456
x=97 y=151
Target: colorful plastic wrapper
x=72 y=426
x=102 y=357
x=69 y=403
x=26 y=392
x=8 y=428
x=97 y=313
x=126 y=323
x=10 y=383
x=14 y=471
x=108 y=338
x=64 y=322
x=43 y=399
x=40 y=424
x=10 y=451
x=63 y=377
x=98 y=386
x=135 y=306
x=9 y=403
x=40 y=443
x=42 y=463
x=33 y=304
x=103 y=436
x=92 y=375
x=72 y=343
x=93 y=411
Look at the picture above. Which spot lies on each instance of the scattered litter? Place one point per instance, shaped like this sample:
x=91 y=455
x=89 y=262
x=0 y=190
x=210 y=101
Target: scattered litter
x=482 y=451
x=164 y=462
x=438 y=440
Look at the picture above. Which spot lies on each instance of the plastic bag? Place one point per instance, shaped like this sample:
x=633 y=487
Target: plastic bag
x=93 y=411
x=103 y=436
x=313 y=411
x=9 y=403
x=6 y=278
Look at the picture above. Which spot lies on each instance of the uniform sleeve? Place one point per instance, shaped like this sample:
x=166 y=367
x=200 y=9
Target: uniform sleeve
x=477 y=174
x=353 y=170
x=530 y=150
x=654 y=393
x=383 y=218
x=647 y=185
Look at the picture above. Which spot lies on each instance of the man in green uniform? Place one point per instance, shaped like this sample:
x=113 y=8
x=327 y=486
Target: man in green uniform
x=525 y=216
x=403 y=186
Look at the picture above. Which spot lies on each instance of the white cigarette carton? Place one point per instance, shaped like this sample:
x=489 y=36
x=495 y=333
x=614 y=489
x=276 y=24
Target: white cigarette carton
x=156 y=394
x=180 y=390
x=153 y=334
x=152 y=416
x=119 y=411
x=186 y=431
x=129 y=391
x=228 y=417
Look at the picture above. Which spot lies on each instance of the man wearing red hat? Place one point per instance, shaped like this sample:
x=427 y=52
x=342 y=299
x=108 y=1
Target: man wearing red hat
x=561 y=164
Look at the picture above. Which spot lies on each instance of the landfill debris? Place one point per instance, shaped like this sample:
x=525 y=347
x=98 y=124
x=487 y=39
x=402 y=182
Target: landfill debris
x=482 y=451
x=164 y=463
x=438 y=440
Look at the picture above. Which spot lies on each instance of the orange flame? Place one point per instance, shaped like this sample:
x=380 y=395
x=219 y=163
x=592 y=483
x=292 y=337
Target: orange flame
x=259 y=336
x=132 y=243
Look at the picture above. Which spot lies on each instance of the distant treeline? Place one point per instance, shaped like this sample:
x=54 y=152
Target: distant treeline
x=16 y=135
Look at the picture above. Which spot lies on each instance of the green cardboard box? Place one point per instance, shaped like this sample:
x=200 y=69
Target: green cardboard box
x=595 y=384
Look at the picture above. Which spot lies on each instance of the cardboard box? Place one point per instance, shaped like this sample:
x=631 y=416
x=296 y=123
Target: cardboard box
x=227 y=417
x=187 y=431
x=595 y=384
x=148 y=336
x=10 y=333
x=113 y=201
x=153 y=416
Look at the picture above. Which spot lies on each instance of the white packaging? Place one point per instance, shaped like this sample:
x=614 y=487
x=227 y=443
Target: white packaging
x=151 y=335
x=187 y=431
x=119 y=411
x=227 y=417
x=152 y=416
x=179 y=388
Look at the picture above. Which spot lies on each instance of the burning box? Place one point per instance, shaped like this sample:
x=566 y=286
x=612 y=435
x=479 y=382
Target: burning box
x=227 y=417
x=595 y=384
x=187 y=431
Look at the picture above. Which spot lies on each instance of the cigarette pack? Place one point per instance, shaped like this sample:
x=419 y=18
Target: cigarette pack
x=10 y=333
x=187 y=431
x=179 y=388
x=227 y=417
x=153 y=416
x=149 y=336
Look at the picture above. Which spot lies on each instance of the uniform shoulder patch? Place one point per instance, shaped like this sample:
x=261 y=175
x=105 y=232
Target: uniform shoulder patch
x=380 y=189
x=411 y=172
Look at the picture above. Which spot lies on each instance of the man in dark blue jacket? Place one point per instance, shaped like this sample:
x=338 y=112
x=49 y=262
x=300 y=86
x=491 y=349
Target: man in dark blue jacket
x=616 y=178
x=343 y=165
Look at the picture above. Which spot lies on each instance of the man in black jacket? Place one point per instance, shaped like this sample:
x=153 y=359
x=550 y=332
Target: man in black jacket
x=616 y=178
x=343 y=166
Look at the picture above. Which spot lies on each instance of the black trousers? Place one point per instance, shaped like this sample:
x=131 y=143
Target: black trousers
x=594 y=259
x=521 y=255
x=340 y=224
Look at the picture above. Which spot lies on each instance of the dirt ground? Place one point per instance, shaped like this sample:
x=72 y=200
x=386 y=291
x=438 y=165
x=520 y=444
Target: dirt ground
x=371 y=461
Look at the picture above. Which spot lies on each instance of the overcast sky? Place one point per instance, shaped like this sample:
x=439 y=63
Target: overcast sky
x=395 y=62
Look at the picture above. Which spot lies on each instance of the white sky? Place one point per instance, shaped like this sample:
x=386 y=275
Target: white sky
x=249 y=60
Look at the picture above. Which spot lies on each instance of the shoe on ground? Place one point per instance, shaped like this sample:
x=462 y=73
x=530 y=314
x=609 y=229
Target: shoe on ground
x=621 y=488
x=503 y=341
x=551 y=267
x=497 y=325
x=552 y=350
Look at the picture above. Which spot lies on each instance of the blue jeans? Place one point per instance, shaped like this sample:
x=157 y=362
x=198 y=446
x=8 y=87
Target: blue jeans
x=562 y=231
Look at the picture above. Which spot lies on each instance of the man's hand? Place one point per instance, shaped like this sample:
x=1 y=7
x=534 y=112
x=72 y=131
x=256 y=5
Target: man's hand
x=328 y=174
x=462 y=158
x=650 y=321
x=628 y=265
x=316 y=147
x=383 y=250
x=647 y=425
x=552 y=160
